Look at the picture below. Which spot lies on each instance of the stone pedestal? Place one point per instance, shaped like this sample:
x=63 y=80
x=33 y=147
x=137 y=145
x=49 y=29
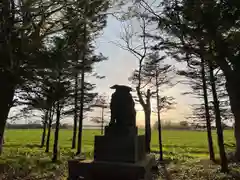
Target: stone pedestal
x=129 y=147
x=119 y=154
x=104 y=170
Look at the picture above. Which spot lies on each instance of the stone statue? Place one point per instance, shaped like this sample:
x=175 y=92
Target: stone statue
x=123 y=113
x=120 y=153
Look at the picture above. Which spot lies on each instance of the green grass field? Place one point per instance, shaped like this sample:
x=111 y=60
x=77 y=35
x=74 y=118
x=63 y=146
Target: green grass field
x=23 y=159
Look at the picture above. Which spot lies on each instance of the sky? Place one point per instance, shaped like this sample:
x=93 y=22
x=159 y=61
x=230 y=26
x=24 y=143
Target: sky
x=119 y=67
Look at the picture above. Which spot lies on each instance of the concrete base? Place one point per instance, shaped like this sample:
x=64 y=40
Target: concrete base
x=103 y=170
x=126 y=149
x=114 y=130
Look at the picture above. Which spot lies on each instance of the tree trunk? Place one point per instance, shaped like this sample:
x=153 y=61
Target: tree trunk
x=7 y=80
x=159 y=127
x=224 y=163
x=237 y=133
x=6 y=101
x=79 y=145
x=3 y=116
x=55 y=145
x=102 y=123
x=147 y=130
x=75 y=113
x=44 y=129
x=207 y=114
x=231 y=73
x=50 y=118
x=147 y=112
x=233 y=88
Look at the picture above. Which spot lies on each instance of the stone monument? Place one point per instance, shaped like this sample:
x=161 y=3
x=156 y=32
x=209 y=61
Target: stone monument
x=120 y=153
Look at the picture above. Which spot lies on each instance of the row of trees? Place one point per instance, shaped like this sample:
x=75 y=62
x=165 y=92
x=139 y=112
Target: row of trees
x=47 y=52
x=205 y=36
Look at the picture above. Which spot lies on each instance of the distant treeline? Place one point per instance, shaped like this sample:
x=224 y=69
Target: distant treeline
x=185 y=125
x=40 y=126
x=34 y=126
x=165 y=126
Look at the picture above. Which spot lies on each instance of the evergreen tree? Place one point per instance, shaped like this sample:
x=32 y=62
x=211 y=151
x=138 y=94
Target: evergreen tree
x=199 y=84
x=24 y=26
x=85 y=20
x=157 y=74
x=211 y=23
x=62 y=87
x=205 y=28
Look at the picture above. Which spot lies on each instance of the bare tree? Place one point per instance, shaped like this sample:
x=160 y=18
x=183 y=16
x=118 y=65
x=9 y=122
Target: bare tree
x=138 y=43
x=101 y=102
x=139 y=51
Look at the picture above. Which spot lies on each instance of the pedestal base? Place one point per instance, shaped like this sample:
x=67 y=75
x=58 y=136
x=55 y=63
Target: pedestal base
x=127 y=149
x=103 y=170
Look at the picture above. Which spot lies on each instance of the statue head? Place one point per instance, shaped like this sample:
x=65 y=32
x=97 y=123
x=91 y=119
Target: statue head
x=121 y=88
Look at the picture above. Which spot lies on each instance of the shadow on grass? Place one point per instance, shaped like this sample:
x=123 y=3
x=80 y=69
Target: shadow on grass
x=161 y=171
x=165 y=174
x=33 y=146
x=203 y=169
x=230 y=145
x=174 y=157
x=22 y=145
x=188 y=149
x=31 y=167
x=181 y=146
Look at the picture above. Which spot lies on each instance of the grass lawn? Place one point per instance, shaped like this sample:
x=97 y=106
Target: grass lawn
x=23 y=159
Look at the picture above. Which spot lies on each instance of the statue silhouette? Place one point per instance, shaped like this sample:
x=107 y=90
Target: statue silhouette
x=123 y=113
